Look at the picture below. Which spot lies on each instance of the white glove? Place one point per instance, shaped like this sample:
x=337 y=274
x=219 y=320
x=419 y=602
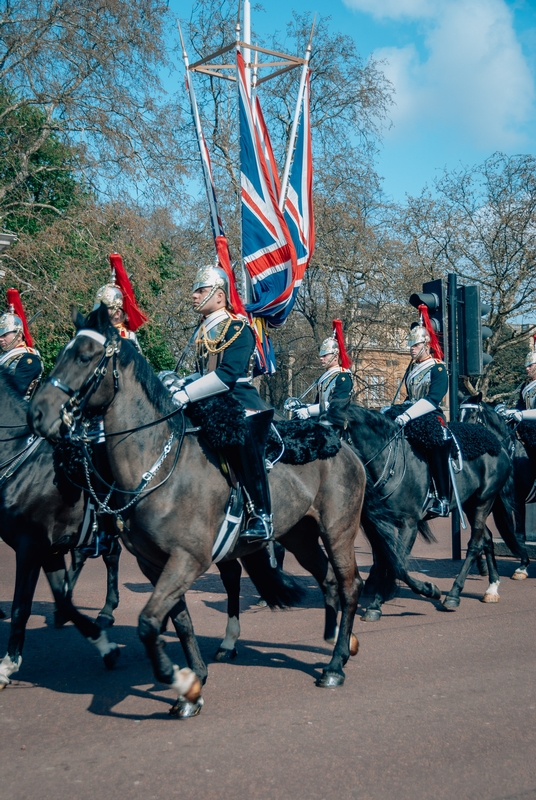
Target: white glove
x=171 y=380
x=180 y=398
x=403 y=419
x=513 y=413
x=302 y=413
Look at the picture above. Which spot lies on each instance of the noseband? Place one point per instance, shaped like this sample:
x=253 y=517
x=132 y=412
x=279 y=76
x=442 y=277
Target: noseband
x=72 y=409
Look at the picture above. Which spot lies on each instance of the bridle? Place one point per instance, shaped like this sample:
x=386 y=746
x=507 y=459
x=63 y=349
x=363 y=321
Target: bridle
x=71 y=411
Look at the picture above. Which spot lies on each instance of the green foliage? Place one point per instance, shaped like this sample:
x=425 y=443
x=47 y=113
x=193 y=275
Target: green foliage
x=51 y=185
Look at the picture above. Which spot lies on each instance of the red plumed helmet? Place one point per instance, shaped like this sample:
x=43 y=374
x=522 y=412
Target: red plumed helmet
x=338 y=335
x=13 y=299
x=135 y=317
x=435 y=347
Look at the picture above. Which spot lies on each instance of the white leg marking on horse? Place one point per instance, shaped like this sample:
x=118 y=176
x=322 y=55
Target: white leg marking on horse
x=103 y=645
x=232 y=633
x=492 y=593
x=7 y=668
x=184 y=683
x=335 y=637
x=520 y=574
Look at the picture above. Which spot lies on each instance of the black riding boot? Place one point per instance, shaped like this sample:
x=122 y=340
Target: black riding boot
x=438 y=461
x=251 y=469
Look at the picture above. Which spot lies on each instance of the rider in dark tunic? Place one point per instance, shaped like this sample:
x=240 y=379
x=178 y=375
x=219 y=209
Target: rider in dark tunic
x=17 y=357
x=426 y=385
x=525 y=410
x=225 y=348
x=334 y=387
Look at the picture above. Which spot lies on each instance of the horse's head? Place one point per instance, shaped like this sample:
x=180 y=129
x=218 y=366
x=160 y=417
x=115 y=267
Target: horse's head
x=471 y=408
x=83 y=378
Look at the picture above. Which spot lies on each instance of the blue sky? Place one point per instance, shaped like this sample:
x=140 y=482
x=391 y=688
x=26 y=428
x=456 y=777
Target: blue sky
x=463 y=72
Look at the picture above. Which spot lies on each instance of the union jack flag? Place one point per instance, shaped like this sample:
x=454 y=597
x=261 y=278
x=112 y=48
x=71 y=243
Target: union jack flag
x=299 y=200
x=267 y=249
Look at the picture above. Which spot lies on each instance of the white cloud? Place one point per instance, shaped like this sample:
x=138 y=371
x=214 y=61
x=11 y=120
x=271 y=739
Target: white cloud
x=474 y=76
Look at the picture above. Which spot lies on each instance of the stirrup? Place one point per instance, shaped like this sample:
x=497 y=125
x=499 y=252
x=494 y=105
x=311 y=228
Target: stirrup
x=437 y=507
x=261 y=529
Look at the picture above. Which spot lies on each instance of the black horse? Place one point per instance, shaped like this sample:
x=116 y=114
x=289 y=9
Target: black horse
x=402 y=475
x=474 y=410
x=171 y=525
x=39 y=522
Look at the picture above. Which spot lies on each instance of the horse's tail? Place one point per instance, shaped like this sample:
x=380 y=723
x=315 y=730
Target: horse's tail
x=426 y=531
x=503 y=512
x=276 y=587
x=379 y=527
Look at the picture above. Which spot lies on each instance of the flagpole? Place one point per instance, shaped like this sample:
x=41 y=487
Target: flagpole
x=199 y=132
x=247 y=40
x=293 y=130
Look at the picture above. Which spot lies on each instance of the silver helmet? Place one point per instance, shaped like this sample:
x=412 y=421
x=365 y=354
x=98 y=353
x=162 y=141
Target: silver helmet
x=10 y=323
x=329 y=346
x=111 y=295
x=213 y=277
x=418 y=335
x=531 y=358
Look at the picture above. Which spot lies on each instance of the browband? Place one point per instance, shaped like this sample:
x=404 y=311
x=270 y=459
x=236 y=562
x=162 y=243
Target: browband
x=92 y=335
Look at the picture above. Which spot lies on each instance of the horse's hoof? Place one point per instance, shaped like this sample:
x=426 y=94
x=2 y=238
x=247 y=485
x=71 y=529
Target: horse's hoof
x=371 y=615
x=490 y=597
x=451 y=603
x=354 y=645
x=59 y=620
x=432 y=591
x=3 y=685
x=330 y=680
x=224 y=654
x=183 y=709
x=2 y=614
x=520 y=574
x=105 y=620
x=110 y=659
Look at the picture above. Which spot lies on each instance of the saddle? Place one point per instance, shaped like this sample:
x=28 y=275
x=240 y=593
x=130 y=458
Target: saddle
x=221 y=421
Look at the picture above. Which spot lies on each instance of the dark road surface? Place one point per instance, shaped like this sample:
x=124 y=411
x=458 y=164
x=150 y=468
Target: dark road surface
x=435 y=705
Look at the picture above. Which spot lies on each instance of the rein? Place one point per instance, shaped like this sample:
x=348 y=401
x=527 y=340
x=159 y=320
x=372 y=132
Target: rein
x=71 y=412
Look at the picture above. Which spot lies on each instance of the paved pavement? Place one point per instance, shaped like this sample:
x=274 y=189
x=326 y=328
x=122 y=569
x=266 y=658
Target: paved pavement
x=435 y=705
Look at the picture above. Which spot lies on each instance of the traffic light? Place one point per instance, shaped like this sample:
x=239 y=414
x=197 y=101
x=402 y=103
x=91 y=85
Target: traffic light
x=471 y=332
x=434 y=296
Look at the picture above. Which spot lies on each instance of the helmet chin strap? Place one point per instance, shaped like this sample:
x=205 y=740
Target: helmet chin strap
x=205 y=300
x=414 y=359
x=13 y=343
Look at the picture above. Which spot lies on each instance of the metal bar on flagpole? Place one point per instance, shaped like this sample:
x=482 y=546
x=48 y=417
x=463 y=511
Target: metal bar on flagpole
x=293 y=130
x=197 y=123
x=247 y=39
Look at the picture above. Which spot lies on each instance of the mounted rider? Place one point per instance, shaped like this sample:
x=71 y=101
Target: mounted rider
x=18 y=357
x=525 y=410
x=125 y=315
x=427 y=384
x=334 y=387
x=225 y=349
x=118 y=297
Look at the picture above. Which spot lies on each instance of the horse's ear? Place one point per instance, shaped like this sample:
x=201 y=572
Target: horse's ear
x=103 y=318
x=478 y=397
x=78 y=318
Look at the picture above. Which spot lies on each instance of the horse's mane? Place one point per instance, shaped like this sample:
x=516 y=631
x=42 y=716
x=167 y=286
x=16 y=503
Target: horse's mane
x=377 y=422
x=143 y=373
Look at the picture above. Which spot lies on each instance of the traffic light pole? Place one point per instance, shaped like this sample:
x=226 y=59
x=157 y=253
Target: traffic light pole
x=452 y=306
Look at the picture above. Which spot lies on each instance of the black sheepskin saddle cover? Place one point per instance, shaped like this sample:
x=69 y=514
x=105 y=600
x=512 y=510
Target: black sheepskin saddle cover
x=426 y=432
x=527 y=433
x=223 y=424
x=305 y=441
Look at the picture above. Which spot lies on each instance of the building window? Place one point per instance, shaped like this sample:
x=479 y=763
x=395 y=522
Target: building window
x=375 y=388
